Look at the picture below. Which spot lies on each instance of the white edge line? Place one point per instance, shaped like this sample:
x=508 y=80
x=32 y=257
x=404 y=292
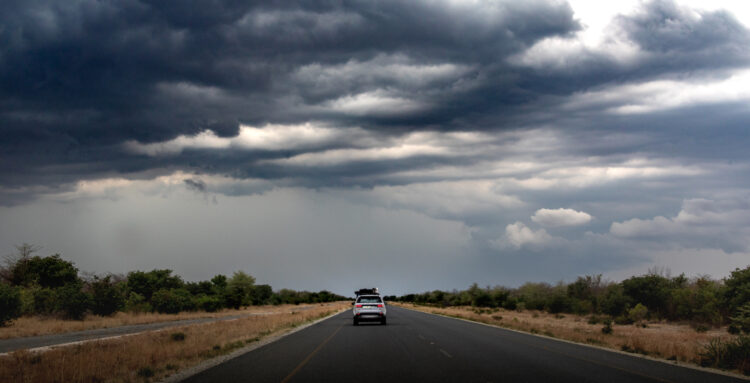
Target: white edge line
x=664 y=361
x=205 y=365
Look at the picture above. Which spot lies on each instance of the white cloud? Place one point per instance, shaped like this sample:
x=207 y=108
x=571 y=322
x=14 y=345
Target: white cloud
x=560 y=217
x=651 y=96
x=383 y=68
x=579 y=174
x=720 y=224
x=517 y=235
x=375 y=103
x=269 y=137
x=454 y=200
x=406 y=146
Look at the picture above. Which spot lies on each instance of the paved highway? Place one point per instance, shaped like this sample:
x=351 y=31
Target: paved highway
x=419 y=347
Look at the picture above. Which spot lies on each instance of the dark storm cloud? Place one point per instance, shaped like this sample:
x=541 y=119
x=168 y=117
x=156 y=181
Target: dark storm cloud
x=80 y=78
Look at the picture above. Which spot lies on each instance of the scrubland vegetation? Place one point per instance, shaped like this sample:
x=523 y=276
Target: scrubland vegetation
x=153 y=355
x=33 y=286
x=717 y=312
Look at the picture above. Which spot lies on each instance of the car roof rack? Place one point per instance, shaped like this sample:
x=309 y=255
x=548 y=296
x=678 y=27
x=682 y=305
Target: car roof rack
x=372 y=291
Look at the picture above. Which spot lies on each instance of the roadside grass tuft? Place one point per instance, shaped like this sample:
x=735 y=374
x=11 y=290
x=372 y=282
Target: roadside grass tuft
x=177 y=336
x=145 y=372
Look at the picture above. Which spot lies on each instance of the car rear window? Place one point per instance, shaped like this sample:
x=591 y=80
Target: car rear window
x=369 y=300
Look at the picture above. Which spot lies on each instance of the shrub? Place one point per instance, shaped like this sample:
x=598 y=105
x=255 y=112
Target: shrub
x=71 y=301
x=558 y=303
x=510 y=304
x=106 y=297
x=638 y=313
x=652 y=290
x=737 y=291
x=10 y=304
x=147 y=283
x=177 y=336
x=741 y=320
x=171 y=301
x=209 y=303
x=623 y=319
x=145 y=372
x=607 y=329
x=44 y=301
x=51 y=271
x=136 y=303
x=614 y=302
x=729 y=354
x=700 y=327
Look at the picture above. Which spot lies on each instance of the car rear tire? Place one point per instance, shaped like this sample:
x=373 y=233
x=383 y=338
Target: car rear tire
x=383 y=322
x=356 y=322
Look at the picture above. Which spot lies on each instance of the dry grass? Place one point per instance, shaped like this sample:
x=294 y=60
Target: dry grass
x=665 y=340
x=152 y=355
x=33 y=326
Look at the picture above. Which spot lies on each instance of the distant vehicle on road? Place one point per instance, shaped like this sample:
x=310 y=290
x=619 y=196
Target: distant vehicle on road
x=369 y=308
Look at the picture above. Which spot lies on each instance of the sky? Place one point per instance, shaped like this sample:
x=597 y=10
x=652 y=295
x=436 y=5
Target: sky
x=412 y=146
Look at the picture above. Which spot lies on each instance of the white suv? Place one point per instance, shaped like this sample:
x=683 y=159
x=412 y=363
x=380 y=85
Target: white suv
x=369 y=308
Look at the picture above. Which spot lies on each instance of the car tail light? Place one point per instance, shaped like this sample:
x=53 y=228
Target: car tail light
x=358 y=306
x=380 y=305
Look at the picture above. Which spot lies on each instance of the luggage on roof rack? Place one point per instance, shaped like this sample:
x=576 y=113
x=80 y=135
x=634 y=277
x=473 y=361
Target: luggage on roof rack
x=372 y=291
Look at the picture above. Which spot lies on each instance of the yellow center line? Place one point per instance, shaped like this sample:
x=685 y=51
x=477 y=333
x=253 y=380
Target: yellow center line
x=307 y=359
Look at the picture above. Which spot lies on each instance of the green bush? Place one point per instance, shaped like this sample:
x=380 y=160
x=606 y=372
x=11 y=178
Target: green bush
x=44 y=301
x=106 y=297
x=614 y=302
x=737 y=291
x=136 y=303
x=741 y=320
x=728 y=354
x=71 y=301
x=51 y=272
x=652 y=290
x=209 y=303
x=171 y=301
x=177 y=336
x=146 y=283
x=10 y=304
x=638 y=313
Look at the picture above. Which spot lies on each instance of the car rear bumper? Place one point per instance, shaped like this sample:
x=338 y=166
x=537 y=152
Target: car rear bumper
x=375 y=317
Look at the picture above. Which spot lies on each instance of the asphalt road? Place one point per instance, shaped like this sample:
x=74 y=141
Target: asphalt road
x=419 y=347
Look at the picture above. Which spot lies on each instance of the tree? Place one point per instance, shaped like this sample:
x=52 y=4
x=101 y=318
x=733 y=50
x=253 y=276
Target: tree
x=741 y=321
x=652 y=290
x=261 y=294
x=10 y=303
x=614 y=302
x=51 y=272
x=172 y=301
x=17 y=262
x=71 y=301
x=737 y=291
x=107 y=298
x=147 y=283
x=239 y=288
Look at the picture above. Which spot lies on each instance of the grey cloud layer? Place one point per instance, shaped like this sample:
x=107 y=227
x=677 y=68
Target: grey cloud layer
x=79 y=79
